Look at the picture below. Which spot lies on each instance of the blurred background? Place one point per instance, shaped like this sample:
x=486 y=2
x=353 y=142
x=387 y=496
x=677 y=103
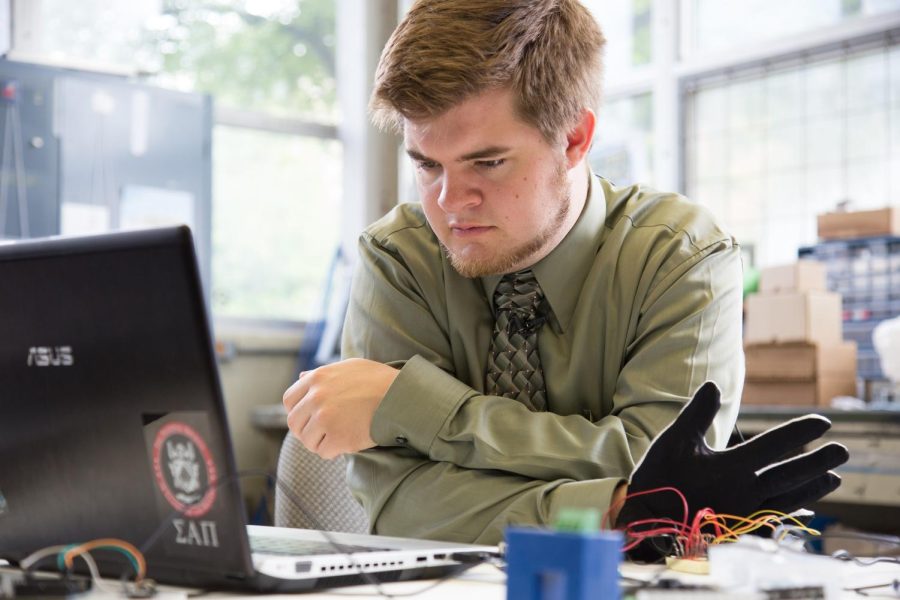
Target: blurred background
x=247 y=120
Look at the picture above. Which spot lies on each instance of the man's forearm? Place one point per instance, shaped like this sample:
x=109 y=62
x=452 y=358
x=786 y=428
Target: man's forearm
x=432 y=412
x=409 y=496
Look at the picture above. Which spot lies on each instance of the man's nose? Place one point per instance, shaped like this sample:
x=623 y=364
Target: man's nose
x=457 y=193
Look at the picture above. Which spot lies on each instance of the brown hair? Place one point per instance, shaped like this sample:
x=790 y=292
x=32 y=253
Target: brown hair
x=549 y=52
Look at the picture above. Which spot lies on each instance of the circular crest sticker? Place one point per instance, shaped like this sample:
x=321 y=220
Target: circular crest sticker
x=183 y=467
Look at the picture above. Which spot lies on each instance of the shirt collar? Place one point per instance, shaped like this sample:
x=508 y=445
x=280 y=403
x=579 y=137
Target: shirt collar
x=561 y=273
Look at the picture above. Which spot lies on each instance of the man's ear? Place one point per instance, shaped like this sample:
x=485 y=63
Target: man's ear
x=580 y=137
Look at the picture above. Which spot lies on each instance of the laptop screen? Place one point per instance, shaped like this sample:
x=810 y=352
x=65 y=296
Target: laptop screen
x=111 y=416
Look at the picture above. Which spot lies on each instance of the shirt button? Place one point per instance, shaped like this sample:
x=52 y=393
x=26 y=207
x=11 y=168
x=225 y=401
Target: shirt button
x=401 y=440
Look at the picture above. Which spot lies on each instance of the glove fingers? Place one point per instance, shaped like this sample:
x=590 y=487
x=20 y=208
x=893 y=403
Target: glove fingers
x=796 y=471
x=805 y=494
x=769 y=446
x=698 y=414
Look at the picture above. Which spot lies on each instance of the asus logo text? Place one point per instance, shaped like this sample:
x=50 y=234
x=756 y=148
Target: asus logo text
x=50 y=356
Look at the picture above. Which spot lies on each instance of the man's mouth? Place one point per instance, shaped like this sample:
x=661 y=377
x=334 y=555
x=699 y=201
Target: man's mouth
x=465 y=229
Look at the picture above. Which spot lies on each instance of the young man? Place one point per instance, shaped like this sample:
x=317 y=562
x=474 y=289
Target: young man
x=516 y=341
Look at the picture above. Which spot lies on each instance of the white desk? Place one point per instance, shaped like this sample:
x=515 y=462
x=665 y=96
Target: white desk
x=488 y=583
x=480 y=583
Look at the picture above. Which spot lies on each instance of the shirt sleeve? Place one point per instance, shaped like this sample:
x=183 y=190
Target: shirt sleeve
x=480 y=462
x=689 y=333
x=406 y=494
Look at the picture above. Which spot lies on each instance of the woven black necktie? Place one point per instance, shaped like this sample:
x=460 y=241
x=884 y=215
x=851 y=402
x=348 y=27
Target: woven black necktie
x=514 y=364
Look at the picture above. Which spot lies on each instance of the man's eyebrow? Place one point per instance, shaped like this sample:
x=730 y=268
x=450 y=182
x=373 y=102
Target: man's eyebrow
x=484 y=153
x=416 y=155
x=478 y=154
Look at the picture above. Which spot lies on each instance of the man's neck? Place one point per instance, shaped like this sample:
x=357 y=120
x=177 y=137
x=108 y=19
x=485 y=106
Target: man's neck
x=579 y=180
x=580 y=185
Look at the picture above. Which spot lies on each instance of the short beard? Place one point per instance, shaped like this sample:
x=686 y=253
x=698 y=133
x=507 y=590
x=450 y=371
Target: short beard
x=501 y=264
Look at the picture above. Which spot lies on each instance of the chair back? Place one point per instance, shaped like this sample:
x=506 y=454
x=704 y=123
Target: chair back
x=321 y=488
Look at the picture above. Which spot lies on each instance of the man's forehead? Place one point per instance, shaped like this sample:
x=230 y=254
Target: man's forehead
x=426 y=140
x=461 y=135
x=498 y=103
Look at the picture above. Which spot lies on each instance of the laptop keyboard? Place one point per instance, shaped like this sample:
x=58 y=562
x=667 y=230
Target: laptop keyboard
x=289 y=547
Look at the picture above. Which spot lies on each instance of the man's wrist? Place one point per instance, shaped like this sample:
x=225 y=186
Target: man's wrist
x=416 y=406
x=616 y=502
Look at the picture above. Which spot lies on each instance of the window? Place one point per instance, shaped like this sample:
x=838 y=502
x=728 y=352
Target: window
x=714 y=25
x=623 y=145
x=623 y=142
x=275 y=221
x=270 y=66
x=89 y=33
x=276 y=193
x=770 y=148
x=626 y=26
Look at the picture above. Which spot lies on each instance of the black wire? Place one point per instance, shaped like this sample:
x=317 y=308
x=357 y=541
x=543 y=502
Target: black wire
x=442 y=580
x=851 y=535
x=858 y=535
x=894 y=585
x=369 y=578
x=644 y=584
x=865 y=562
x=669 y=550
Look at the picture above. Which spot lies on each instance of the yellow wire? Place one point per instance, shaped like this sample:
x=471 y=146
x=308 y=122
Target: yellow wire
x=737 y=527
x=733 y=532
x=783 y=517
x=758 y=519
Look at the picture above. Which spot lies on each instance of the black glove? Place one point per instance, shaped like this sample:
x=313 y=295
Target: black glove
x=737 y=481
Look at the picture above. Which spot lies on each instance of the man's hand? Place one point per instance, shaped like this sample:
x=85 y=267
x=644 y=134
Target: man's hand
x=330 y=409
x=737 y=481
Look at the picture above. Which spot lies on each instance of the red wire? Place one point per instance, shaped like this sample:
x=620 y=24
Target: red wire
x=622 y=501
x=662 y=526
x=695 y=541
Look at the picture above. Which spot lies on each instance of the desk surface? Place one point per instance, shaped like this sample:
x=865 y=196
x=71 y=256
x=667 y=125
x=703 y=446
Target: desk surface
x=489 y=583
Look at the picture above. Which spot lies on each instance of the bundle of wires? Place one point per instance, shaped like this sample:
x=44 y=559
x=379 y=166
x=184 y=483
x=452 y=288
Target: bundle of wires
x=67 y=554
x=691 y=537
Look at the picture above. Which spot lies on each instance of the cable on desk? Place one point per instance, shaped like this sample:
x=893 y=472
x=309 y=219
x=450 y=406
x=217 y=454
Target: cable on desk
x=863 y=590
x=133 y=554
x=845 y=555
x=865 y=562
x=143 y=587
x=369 y=578
x=66 y=554
x=442 y=580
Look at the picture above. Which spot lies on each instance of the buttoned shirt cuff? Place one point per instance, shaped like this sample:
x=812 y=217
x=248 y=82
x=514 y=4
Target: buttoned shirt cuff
x=416 y=406
x=592 y=493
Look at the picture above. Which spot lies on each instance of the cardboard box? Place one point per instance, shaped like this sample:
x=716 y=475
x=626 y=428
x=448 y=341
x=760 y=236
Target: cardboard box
x=800 y=361
x=801 y=276
x=817 y=392
x=795 y=317
x=863 y=223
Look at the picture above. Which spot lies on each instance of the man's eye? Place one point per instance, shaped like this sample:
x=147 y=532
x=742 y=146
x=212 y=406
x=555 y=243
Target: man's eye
x=426 y=165
x=490 y=164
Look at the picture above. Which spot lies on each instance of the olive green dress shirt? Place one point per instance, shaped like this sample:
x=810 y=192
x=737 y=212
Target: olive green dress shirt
x=645 y=292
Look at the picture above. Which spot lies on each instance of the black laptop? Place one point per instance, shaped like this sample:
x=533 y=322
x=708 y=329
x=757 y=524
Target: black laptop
x=112 y=424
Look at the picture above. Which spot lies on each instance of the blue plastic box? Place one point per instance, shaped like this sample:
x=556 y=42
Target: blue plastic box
x=551 y=565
